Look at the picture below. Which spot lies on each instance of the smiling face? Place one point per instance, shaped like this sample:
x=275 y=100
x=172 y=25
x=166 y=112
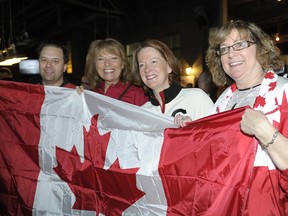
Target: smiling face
x=242 y=65
x=154 y=69
x=51 y=65
x=109 y=66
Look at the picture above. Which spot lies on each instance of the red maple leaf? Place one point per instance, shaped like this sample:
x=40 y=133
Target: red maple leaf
x=269 y=75
x=260 y=101
x=272 y=86
x=110 y=191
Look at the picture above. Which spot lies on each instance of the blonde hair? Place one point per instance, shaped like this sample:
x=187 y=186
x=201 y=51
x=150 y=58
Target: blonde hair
x=91 y=75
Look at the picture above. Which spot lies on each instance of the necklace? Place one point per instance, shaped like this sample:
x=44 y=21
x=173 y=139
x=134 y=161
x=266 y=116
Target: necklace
x=239 y=95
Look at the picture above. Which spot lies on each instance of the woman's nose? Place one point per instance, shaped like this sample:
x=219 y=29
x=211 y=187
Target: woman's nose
x=231 y=52
x=107 y=61
x=147 y=67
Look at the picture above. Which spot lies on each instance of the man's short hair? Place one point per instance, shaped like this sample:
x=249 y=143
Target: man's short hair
x=54 y=44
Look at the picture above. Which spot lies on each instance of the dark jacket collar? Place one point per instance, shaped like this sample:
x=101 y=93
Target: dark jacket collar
x=167 y=95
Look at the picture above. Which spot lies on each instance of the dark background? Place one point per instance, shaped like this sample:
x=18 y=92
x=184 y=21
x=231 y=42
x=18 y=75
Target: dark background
x=183 y=25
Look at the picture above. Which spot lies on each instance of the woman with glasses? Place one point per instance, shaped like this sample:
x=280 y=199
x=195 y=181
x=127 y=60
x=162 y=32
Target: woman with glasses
x=242 y=55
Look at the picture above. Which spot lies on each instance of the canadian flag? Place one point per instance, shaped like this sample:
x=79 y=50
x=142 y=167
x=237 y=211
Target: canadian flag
x=69 y=154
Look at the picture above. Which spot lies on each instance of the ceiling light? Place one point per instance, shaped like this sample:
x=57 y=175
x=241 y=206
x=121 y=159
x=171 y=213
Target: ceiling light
x=8 y=55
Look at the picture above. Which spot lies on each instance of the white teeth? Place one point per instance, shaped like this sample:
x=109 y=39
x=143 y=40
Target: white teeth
x=235 y=63
x=150 y=77
x=108 y=71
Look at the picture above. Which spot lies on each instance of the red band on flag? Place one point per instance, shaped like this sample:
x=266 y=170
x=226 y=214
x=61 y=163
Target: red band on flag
x=19 y=162
x=206 y=166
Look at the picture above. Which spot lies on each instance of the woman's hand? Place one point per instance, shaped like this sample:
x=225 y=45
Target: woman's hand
x=181 y=120
x=80 y=89
x=255 y=123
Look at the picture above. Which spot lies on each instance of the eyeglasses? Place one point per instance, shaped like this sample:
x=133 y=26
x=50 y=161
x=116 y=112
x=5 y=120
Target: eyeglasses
x=237 y=46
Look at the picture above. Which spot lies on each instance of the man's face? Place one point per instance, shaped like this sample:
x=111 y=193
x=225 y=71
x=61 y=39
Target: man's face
x=51 y=65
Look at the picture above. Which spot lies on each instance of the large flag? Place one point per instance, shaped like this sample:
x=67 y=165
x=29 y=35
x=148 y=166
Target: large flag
x=67 y=154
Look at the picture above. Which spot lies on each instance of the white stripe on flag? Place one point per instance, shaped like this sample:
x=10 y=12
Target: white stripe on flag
x=136 y=139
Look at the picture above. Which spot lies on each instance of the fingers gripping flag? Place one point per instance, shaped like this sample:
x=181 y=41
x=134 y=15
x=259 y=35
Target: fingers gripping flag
x=66 y=154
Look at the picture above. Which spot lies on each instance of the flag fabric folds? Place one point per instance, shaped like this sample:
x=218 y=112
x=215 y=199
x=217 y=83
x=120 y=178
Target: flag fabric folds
x=206 y=167
x=69 y=154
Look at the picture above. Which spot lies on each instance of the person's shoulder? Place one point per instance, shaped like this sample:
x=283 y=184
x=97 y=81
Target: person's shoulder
x=69 y=85
x=139 y=94
x=147 y=105
x=282 y=83
x=196 y=91
x=196 y=94
x=136 y=88
x=282 y=79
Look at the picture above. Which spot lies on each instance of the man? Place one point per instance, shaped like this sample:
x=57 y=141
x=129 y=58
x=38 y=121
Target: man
x=53 y=59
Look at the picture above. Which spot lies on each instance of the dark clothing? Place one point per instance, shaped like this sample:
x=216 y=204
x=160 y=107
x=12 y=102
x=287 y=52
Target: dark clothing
x=39 y=81
x=67 y=84
x=167 y=95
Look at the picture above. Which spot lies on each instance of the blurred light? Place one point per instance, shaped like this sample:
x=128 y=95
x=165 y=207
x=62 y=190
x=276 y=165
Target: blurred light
x=11 y=61
x=277 y=37
x=9 y=56
x=188 y=70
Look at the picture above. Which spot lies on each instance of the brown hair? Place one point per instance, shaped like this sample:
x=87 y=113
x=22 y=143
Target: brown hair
x=57 y=45
x=268 y=54
x=167 y=54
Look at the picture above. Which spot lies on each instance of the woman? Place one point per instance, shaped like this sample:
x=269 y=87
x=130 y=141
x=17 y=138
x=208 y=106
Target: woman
x=243 y=53
x=107 y=71
x=160 y=70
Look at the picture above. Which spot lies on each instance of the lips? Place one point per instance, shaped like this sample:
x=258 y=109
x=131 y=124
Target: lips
x=49 y=71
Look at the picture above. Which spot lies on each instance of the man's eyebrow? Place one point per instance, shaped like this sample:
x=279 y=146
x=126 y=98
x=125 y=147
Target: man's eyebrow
x=49 y=57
